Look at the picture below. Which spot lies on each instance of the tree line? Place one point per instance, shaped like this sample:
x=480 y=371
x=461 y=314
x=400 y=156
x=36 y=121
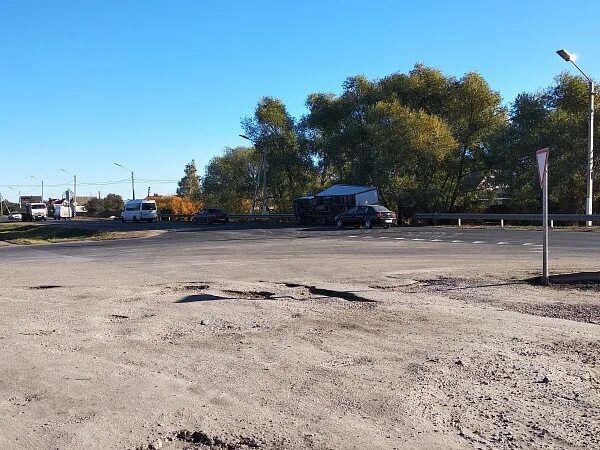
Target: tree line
x=428 y=141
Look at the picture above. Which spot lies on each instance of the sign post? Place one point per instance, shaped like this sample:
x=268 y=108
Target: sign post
x=542 y=163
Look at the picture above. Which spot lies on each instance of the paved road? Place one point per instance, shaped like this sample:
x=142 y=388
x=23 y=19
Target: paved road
x=184 y=241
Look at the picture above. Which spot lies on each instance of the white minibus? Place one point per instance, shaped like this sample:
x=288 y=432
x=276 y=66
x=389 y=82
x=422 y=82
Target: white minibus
x=139 y=210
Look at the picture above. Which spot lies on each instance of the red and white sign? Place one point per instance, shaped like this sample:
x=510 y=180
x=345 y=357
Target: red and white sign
x=542 y=164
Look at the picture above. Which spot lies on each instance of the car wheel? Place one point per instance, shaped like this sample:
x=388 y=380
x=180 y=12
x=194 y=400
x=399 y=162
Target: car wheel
x=208 y=221
x=368 y=224
x=135 y=219
x=386 y=226
x=122 y=219
x=226 y=221
x=339 y=224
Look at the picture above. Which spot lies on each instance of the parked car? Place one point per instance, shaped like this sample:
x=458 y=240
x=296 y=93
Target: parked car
x=210 y=215
x=15 y=215
x=367 y=216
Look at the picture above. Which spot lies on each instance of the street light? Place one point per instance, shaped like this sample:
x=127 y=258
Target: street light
x=74 y=192
x=10 y=187
x=263 y=169
x=590 y=163
x=42 y=185
x=132 y=185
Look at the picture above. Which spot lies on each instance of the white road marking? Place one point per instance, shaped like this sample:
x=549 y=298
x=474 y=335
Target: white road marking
x=478 y=242
x=456 y=242
x=418 y=239
x=501 y=243
x=399 y=239
x=529 y=243
x=383 y=237
x=436 y=240
x=352 y=236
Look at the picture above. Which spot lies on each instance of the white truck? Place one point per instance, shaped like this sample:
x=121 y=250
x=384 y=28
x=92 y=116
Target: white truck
x=62 y=211
x=35 y=211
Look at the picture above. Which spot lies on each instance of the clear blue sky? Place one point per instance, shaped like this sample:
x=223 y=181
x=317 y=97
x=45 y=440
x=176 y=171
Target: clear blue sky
x=153 y=84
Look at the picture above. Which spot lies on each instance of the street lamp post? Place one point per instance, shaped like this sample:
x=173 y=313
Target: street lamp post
x=590 y=157
x=42 y=185
x=74 y=192
x=132 y=185
x=263 y=169
x=10 y=187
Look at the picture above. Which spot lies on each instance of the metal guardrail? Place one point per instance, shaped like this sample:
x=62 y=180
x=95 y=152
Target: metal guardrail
x=233 y=217
x=459 y=217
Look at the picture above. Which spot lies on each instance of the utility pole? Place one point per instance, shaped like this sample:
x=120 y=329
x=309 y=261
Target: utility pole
x=74 y=192
x=132 y=185
x=148 y=191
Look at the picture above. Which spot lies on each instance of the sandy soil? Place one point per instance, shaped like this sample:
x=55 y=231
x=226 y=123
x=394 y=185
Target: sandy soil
x=405 y=360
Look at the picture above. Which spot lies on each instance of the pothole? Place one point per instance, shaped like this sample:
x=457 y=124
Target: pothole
x=344 y=295
x=202 y=440
x=250 y=295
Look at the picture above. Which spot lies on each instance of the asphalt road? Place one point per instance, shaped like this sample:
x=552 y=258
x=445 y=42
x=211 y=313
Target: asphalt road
x=182 y=240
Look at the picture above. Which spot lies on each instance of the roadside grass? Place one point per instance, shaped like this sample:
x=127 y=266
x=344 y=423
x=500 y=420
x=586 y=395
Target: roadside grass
x=32 y=234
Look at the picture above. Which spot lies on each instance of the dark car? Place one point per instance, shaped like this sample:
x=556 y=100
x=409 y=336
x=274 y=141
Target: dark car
x=366 y=216
x=210 y=215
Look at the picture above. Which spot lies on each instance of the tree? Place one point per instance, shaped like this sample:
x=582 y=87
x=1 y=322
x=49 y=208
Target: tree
x=93 y=206
x=174 y=204
x=290 y=168
x=555 y=117
x=229 y=180
x=189 y=185
x=111 y=205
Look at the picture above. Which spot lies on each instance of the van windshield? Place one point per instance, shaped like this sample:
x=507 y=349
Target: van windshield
x=38 y=206
x=149 y=206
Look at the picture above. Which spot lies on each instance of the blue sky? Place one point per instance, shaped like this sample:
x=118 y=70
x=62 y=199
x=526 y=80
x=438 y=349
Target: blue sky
x=153 y=84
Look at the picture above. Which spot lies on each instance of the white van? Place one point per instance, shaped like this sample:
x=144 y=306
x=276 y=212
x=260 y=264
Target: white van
x=62 y=211
x=136 y=210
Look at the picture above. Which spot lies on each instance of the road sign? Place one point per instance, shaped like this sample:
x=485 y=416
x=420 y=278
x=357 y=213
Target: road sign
x=542 y=164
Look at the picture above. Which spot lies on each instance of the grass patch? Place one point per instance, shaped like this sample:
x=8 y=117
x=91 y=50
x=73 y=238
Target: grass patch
x=35 y=234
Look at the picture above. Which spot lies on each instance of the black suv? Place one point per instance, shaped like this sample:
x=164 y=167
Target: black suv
x=366 y=216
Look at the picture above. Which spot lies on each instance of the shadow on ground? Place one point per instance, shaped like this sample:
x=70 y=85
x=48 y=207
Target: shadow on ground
x=589 y=279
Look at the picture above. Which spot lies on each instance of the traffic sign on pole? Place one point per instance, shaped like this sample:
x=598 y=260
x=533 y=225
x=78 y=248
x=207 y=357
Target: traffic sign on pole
x=542 y=163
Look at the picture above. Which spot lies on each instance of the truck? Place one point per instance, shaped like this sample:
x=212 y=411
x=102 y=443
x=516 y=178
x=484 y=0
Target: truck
x=324 y=206
x=62 y=211
x=35 y=211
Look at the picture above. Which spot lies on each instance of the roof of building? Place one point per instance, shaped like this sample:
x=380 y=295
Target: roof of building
x=345 y=189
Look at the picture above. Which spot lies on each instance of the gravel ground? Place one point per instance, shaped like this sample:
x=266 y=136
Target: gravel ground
x=325 y=350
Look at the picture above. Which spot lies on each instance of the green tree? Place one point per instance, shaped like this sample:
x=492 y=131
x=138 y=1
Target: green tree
x=111 y=205
x=229 y=180
x=93 y=206
x=555 y=117
x=290 y=168
x=189 y=185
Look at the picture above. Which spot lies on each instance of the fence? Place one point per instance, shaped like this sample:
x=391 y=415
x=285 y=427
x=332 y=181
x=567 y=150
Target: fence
x=234 y=217
x=502 y=218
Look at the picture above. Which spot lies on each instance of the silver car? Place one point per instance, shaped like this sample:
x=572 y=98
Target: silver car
x=15 y=216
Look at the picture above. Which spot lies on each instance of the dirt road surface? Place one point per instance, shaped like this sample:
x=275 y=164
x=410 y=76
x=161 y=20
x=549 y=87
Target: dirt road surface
x=257 y=342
